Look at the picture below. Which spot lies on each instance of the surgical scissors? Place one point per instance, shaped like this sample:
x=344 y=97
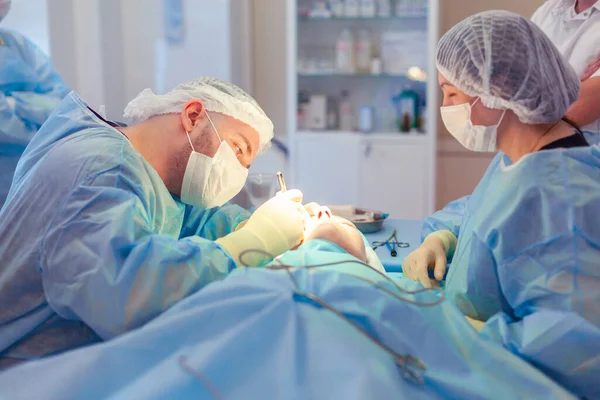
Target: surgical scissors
x=391 y=243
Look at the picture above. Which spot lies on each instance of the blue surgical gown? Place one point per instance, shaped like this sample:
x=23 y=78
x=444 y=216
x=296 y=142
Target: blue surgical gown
x=254 y=335
x=30 y=89
x=592 y=137
x=92 y=243
x=528 y=260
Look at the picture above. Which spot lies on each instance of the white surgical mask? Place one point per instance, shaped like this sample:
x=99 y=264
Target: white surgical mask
x=4 y=7
x=457 y=120
x=211 y=182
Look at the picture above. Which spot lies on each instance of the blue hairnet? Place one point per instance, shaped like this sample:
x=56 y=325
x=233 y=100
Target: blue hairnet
x=508 y=62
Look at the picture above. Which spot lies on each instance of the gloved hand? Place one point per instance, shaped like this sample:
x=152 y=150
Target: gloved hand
x=431 y=255
x=274 y=228
x=478 y=325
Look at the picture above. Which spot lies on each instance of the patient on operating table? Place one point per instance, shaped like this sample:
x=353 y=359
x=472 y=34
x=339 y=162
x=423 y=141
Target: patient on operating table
x=322 y=225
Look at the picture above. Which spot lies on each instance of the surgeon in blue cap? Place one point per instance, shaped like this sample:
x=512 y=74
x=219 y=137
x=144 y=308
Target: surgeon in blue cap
x=107 y=226
x=30 y=89
x=525 y=247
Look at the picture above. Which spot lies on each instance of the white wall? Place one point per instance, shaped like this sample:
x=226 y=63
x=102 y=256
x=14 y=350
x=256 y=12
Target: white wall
x=274 y=53
x=75 y=42
x=206 y=50
x=110 y=50
x=30 y=18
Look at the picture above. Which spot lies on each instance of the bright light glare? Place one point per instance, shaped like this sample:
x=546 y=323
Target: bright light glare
x=417 y=74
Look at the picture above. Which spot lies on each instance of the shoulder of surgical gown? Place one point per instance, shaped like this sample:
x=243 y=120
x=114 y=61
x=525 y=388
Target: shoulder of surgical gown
x=451 y=216
x=110 y=253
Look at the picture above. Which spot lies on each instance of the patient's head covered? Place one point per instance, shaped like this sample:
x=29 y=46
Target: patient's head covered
x=323 y=225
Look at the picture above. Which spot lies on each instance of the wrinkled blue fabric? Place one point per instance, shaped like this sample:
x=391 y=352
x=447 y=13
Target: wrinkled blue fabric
x=527 y=261
x=27 y=78
x=92 y=243
x=254 y=336
x=592 y=137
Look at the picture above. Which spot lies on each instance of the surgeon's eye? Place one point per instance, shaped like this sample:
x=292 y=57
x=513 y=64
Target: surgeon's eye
x=238 y=150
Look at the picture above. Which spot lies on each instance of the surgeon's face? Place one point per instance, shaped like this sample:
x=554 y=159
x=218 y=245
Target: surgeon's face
x=480 y=115
x=339 y=231
x=240 y=137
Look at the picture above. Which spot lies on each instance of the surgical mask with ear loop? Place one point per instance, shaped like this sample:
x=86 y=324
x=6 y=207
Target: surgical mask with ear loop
x=211 y=182
x=457 y=120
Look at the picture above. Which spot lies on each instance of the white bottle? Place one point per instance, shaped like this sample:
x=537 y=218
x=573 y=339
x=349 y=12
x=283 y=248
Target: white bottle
x=368 y=8
x=337 y=8
x=345 y=52
x=364 y=51
x=351 y=8
x=346 y=113
x=384 y=8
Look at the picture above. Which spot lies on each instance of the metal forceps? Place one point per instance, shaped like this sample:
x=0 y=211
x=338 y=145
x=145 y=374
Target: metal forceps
x=391 y=243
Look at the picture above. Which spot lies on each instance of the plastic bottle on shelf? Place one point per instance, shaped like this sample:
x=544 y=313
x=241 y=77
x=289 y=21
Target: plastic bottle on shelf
x=332 y=114
x=376 y=66
x=303 y=109
x=345 y=52
x=319 y=10
x=384 y=8
x=366 y=119
x=423 y=119
x=368 y=8
x=407 y=105
x=346 y=114
x=337 y=8
x=351 y=8
x=364 y=51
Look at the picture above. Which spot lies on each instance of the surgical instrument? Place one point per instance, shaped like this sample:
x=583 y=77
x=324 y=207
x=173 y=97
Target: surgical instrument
x=391 y=243
x=281 y=182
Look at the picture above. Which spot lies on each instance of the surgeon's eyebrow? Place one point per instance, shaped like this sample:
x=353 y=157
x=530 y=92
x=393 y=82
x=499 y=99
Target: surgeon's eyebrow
x=246 y=142
x=447 y=84
x=248 y=145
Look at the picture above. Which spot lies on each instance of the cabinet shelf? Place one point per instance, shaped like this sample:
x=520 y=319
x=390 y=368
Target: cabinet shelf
x=356 y=19
x=355 y=75
x=412 y=135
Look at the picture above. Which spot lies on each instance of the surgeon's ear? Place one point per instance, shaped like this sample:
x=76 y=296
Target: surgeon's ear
x=192 y=114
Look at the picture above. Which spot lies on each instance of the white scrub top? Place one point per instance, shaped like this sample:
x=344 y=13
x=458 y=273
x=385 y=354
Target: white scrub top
x=577 y=36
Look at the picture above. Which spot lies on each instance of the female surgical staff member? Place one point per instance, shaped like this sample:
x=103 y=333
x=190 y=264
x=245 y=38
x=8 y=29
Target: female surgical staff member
x=526 y=256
